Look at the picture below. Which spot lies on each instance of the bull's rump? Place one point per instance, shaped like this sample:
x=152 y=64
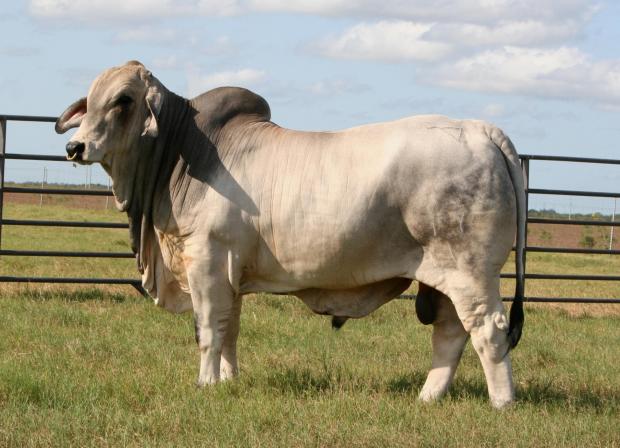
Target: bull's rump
x=344 y=209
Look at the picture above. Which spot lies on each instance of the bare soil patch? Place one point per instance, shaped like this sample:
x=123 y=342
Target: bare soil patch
x=71 y=201
x=573 y=236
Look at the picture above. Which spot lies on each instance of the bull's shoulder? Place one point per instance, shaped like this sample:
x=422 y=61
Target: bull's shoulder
x=218 y=106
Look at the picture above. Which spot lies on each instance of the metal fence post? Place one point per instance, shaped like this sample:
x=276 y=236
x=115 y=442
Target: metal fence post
x=2 y=152
x=525 y=165
x=611 y=231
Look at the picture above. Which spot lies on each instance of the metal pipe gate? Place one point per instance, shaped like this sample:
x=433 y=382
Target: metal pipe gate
x=525 y=163
x=136 y=283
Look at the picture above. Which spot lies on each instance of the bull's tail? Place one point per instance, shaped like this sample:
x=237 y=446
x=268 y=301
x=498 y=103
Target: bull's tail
x=516 y=175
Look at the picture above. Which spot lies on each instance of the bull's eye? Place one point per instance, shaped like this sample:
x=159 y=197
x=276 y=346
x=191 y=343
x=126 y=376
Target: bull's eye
x=123 y=101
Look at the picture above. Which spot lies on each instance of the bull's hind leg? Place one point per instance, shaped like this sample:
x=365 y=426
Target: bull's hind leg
x=484 y=317
x=449 y=339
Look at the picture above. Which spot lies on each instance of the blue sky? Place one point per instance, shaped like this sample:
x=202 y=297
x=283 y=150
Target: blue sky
x=545 y=71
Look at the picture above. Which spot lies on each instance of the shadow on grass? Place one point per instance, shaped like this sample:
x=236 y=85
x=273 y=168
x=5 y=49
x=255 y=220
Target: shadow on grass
x=410 y=383
x=86 y=295
x=581 y=398
x=305 y=382
x=543 y=394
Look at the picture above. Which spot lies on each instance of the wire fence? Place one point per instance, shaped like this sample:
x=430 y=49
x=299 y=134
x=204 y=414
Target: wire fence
x=608 y=221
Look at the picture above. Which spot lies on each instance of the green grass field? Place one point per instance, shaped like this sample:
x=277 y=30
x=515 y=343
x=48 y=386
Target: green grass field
x=104 y=367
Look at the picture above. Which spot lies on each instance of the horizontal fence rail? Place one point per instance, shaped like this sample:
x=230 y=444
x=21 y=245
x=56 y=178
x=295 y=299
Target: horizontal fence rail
x=35 y=157
x=28 y=190
x=96 y=225
x=606 y=278
x=78 y=280
x=530 y=299
x=35 y=118
x=593 y=194
x=136 y=283
x=61 y=253
x=570 y=159
x=570 y=250
x=573 y=222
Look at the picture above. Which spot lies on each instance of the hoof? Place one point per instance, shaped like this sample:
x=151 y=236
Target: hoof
x=502 y=404
x=227 y=375
x=202 y=382
x=431 y=396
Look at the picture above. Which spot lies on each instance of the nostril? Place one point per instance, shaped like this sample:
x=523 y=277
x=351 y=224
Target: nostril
x=74 y=149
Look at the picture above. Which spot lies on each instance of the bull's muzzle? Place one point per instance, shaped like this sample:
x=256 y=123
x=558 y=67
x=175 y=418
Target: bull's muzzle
x=75 y=150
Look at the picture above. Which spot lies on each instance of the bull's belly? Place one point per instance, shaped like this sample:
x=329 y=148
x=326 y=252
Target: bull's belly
x=337 y=271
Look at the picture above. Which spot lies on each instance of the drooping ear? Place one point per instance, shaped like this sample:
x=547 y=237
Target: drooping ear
x=72 y=117
x=154 y=100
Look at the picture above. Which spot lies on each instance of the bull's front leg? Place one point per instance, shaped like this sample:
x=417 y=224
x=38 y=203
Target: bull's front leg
x=213 y=300
x=228 y=366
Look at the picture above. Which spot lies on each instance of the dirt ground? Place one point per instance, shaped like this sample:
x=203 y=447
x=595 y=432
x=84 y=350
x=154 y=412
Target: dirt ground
x=87 y=202
x=575 y=236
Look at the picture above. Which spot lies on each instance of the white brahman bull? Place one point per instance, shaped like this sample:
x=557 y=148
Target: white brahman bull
x=222 y=202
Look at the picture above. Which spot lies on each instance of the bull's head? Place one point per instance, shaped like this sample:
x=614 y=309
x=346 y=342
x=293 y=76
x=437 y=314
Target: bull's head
x=121 y=109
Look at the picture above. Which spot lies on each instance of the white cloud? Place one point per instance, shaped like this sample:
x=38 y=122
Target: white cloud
x=525 y=47
x=519 y=33
x=318 y=7
x=386 y=41
x=468 y=11
x=128 y=10
x=426 y=40
x=246 y=77
x=220 y=7
x=565 y=73
x=101 y=10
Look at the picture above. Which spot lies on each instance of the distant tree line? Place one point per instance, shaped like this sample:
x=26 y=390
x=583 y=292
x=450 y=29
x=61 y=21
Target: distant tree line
x=551 y=213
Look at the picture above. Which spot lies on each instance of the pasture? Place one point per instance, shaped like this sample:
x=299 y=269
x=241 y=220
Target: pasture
x=103 y=367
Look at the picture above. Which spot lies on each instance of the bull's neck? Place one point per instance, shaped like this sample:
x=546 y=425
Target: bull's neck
x=153 y=173
x=174 y=127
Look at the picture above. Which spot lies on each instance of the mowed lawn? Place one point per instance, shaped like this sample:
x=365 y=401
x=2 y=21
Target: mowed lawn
x=104 y=367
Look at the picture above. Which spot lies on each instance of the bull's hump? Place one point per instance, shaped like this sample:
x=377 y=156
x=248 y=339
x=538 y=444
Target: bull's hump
x=218 y=106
